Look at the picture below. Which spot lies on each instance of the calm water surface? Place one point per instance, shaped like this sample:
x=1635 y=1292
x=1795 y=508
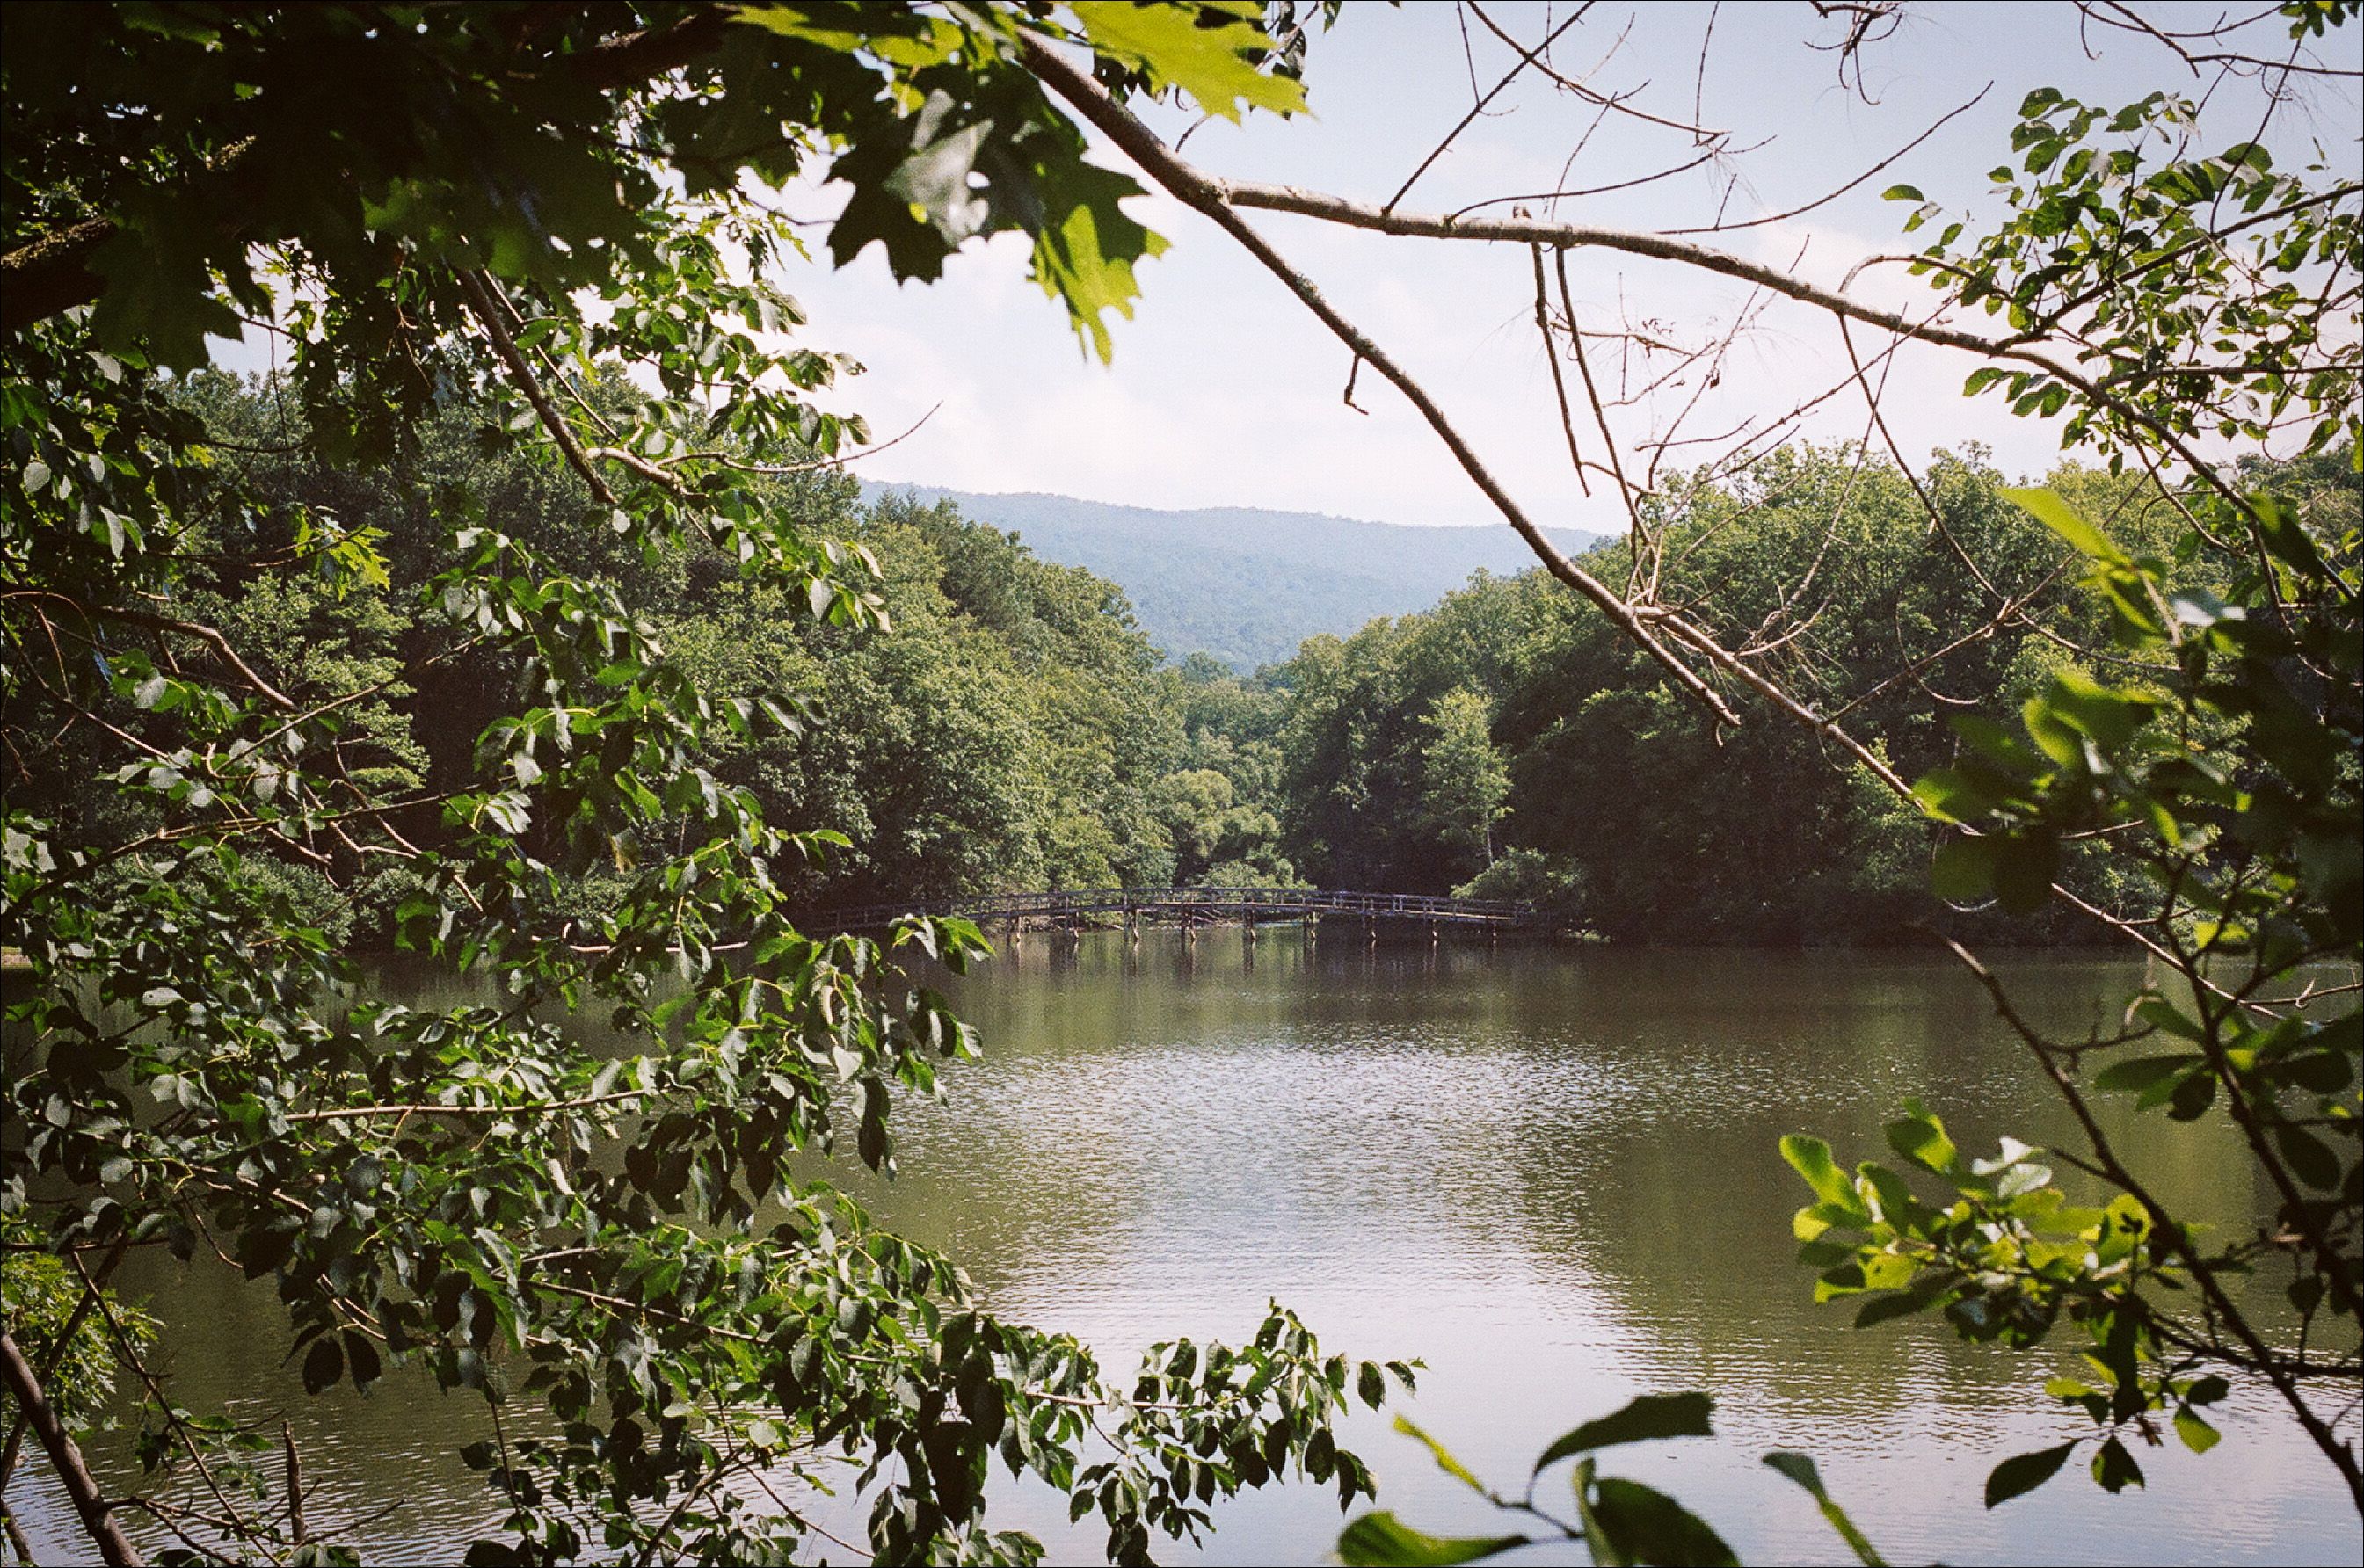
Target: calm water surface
x=1549 y=1173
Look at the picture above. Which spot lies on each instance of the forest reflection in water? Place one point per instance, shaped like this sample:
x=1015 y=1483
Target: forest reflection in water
x=1549 y=1172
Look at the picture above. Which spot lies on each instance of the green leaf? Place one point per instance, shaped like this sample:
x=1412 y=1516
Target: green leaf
x=2047 y=508
x=1167 y=43
x=1647 y=1526
x=1902 y=1303
x=2142 y=1073
x=323 y=1365
x=1956 y=795
x=1810 y=1157
x=1086 y=260
x=2309 y=1156
x=362 y=1357
x=1646 y=1420
x=2110 y=717
x=1382 y=1541
x=934 y=179
x=1444 y=1457
x=2026 y=865
x=2163 y=1015
x=1921 y=1138
x=1799 y=1468
x=2197 y=1434
x=1604 y=1552
x=2114 y=1467
x=1902 y=193
x=1962 y=871
x=2026 y=1471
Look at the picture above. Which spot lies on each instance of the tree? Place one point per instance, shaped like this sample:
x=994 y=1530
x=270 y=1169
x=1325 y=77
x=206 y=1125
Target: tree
x=507 y=197
x=2191 y=320
x=1463 y=782
x=554 y=226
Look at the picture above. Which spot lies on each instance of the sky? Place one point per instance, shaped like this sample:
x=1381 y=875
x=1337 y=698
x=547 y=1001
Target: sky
x=1224 y=390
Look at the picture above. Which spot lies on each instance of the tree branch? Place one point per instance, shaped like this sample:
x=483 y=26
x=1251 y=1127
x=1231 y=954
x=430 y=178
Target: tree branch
x=98 y=1518
x=481 y=304
x=50 y=276
x=2178 y=1241
x=1210 y=197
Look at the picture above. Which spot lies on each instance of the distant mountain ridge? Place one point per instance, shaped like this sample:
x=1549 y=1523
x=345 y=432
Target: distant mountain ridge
x=1245 y=584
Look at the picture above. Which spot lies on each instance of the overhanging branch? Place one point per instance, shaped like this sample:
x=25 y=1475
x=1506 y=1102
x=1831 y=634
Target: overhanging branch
x=1212 y=197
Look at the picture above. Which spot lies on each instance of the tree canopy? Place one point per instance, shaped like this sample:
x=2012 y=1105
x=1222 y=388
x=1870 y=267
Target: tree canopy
x=542 y=400
x=524 y=612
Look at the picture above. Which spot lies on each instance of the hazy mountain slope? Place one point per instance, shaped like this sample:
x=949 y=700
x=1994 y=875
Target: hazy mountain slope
x=1244 y=583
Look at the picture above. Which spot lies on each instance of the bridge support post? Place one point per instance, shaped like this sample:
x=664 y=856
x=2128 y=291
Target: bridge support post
x=1370 y=931
x=1434 y=933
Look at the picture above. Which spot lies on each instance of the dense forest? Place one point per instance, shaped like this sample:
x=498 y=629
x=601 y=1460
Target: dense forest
x=1010 y=726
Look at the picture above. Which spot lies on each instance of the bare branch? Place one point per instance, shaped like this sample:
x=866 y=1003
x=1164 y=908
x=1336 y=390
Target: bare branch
x=1551 y=358
x=1939 y=124
x=1207 y=196
x=1526 y=58
x=1593 y=95
x=203 y=633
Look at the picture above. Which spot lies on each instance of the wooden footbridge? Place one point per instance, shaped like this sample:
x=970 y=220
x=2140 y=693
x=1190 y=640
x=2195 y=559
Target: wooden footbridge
x=1189 y=907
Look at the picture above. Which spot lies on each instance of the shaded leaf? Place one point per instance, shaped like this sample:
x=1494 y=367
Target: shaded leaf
x=1382 y=1541
x=1647 y=1418
x=2026 y=1471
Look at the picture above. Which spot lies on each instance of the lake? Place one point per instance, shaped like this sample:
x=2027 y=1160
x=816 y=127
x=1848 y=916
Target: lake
x=1549 y=1172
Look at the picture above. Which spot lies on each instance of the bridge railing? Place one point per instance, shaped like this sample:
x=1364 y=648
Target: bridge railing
x=1063 y=902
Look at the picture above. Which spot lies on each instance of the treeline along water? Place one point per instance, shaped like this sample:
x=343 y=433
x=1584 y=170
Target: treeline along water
x=1545 y=1169
x=1017 y=730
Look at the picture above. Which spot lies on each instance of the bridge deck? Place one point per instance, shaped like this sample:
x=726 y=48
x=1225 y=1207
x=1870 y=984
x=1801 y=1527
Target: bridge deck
x=1192 y=904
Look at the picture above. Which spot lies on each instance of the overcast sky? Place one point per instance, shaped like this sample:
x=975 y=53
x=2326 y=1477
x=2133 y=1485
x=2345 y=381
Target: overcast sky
x=1225 y=390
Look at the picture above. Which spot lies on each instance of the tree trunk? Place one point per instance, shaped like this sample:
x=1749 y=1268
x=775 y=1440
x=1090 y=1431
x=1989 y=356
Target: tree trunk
x=96 y=1517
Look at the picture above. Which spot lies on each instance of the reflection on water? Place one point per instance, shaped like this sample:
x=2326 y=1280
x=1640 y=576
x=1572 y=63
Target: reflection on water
x=1549 y=1173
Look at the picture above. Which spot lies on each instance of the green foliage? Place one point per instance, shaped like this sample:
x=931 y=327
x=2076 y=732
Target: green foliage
x=2209 y=732
x=2005 y=1256
x=73 y=1346
x=2232 y=758
x=1014 y=732
x=521 y=604
x=1463 y=781
x=1509 y=711
x=1619 y=1522
x=2141 y=253
x=932 y=121
x=1551 y=882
